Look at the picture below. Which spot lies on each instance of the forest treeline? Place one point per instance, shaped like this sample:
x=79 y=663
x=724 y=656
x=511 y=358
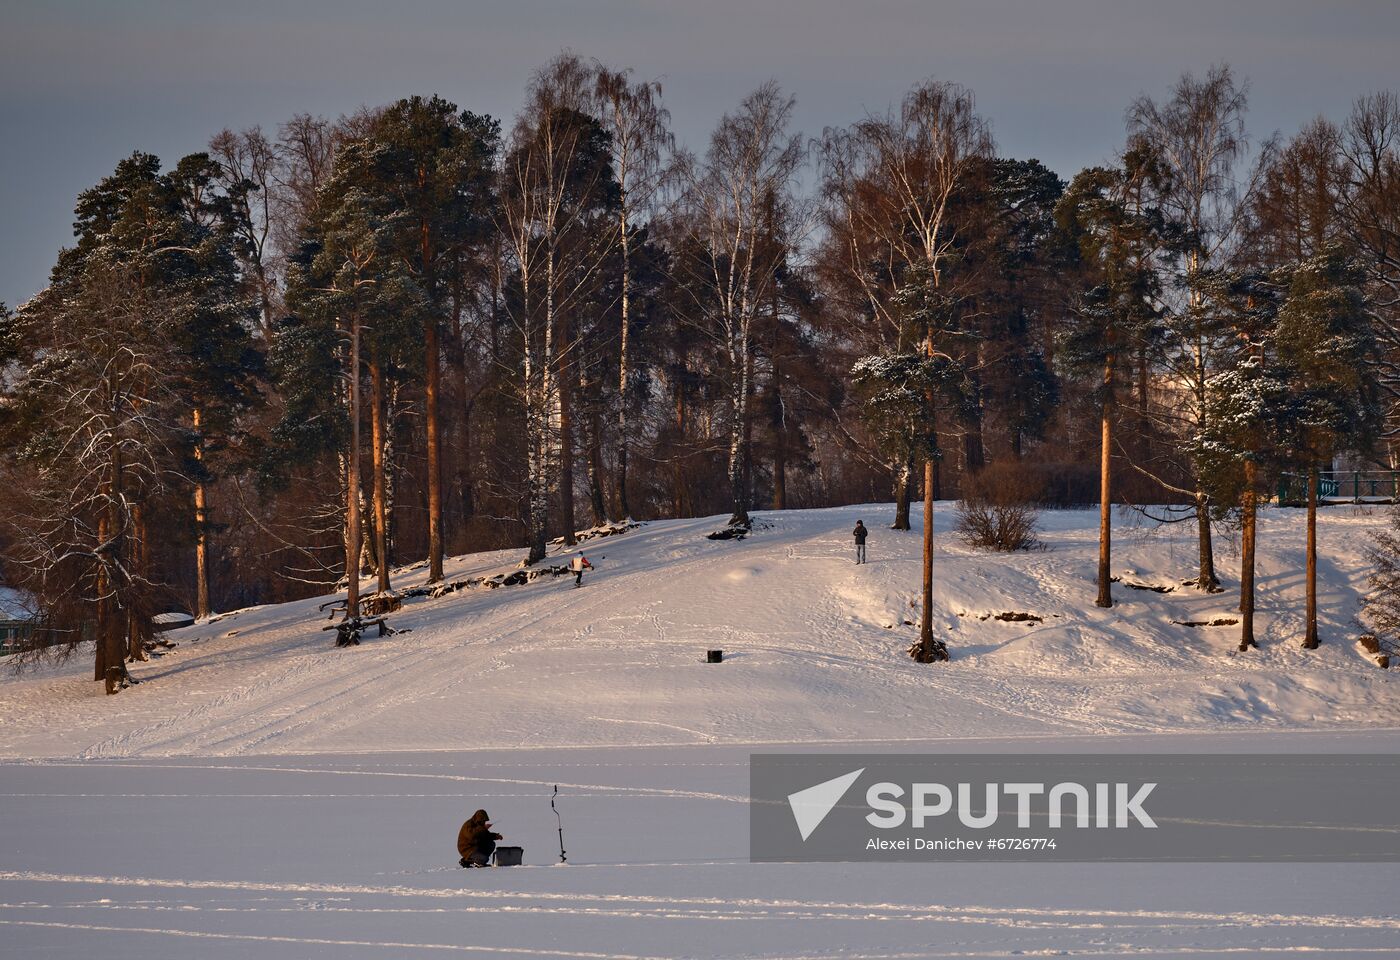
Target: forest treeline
x=413 y=332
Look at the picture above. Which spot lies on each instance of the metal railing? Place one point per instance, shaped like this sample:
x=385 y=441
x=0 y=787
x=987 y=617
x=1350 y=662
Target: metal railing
x=1341 y=486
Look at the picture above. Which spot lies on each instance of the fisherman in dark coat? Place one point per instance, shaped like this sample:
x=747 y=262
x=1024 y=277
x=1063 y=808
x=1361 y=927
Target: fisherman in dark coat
x=476 y=842
x=859 y=533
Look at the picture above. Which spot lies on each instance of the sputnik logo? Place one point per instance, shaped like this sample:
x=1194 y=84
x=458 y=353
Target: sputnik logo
x=810 y=806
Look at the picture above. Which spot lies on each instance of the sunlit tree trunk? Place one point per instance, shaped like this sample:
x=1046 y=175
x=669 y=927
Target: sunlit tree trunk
x=376 y=420
x=1249 y=508
x=1310 y=640
x=352 y=481
x=1105 y=597
x=201 y=526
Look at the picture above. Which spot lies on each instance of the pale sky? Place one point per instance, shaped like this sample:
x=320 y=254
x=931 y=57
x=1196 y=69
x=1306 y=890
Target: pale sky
x=83 y=84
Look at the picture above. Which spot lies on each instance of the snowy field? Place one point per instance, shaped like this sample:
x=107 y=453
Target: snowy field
x=261 y=794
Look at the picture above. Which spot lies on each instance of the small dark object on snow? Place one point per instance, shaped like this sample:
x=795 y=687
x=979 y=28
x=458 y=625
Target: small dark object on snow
x=714 y=656
x=508 y=856
x=1153 y=587
x=1014 y=617
x=736 y=532
x=347 y=632
x=1369 y=643
x=1217 y=622
x=1383 y=661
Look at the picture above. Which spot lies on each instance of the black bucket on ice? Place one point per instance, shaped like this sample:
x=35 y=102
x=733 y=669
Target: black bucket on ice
x=714 y=656
x=509 y=856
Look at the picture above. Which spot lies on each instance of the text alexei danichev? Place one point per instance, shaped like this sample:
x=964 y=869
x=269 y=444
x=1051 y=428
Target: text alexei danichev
x=959 y=843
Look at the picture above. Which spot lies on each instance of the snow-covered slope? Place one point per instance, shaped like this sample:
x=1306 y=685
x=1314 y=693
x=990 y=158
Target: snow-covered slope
x=814 y=650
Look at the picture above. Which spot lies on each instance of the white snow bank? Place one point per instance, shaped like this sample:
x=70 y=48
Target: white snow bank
x=814 y=650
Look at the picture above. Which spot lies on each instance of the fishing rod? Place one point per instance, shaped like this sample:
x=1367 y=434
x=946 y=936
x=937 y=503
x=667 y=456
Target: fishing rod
x=562 y=858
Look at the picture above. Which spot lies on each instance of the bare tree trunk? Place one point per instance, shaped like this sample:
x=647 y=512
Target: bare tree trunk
x=595 y=467
x=114 y=638
x=1105 y=597
x=352 y=482
x=430 y=402
x=679 y=499
x=102 y=589
x=566 y=446
x=376 y=421
x=1310 y=640
x=739 y=414
x=929 y=650
x=432 y=361
x=201 y=525
x=1207 y=579
x=1249 y=507
x=137 y=632
x=903 y=484
x=624 y=508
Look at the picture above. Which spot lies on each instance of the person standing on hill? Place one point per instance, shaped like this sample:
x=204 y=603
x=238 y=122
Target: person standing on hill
x=860 y=534
x=577 y=565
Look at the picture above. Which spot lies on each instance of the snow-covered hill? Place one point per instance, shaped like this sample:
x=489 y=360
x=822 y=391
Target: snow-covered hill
x=814 y=650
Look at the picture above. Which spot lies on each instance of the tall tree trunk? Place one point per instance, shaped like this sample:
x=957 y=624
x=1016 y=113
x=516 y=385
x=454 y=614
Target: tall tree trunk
x=114 y=638
x=903 y=487
x=201 y=527
x=1105 y=597
x=929 y=650
x=102 y=590
x=1310 y=640
x=779 y=436
x=137 y=631
x=1207 y=579
x=739 y=413
x=352 y=482
x=678 y=490
x=566 y=445
x=432 y=361
x=624 y=373
x=1249 y=508
x=376 y=430
x=430 y=420
x=595 y=466
x=780 y=470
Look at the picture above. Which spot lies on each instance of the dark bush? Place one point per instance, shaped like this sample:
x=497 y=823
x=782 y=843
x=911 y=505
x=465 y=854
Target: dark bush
x=997 y=526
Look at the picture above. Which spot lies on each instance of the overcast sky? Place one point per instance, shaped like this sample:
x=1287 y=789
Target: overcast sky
x=83 y=84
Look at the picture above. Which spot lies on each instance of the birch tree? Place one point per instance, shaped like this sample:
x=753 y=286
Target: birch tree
x=637 y=126
x=732 y=205
x=1199 y=134
x=555 y=177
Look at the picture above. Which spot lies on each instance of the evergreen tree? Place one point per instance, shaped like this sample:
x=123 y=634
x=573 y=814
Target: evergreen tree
x=1324 y=336
x=1248 y=399
x=1110 y=215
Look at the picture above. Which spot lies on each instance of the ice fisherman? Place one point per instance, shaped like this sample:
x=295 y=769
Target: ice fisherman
x=579 y=564
x=860 y=534
x=476 y=842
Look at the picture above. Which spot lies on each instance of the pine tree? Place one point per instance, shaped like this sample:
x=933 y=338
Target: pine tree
x=1324 y=337
x=1111 y=217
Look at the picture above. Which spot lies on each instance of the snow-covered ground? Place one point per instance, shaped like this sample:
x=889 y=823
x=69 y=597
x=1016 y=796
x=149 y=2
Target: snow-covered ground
x=262 y=794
